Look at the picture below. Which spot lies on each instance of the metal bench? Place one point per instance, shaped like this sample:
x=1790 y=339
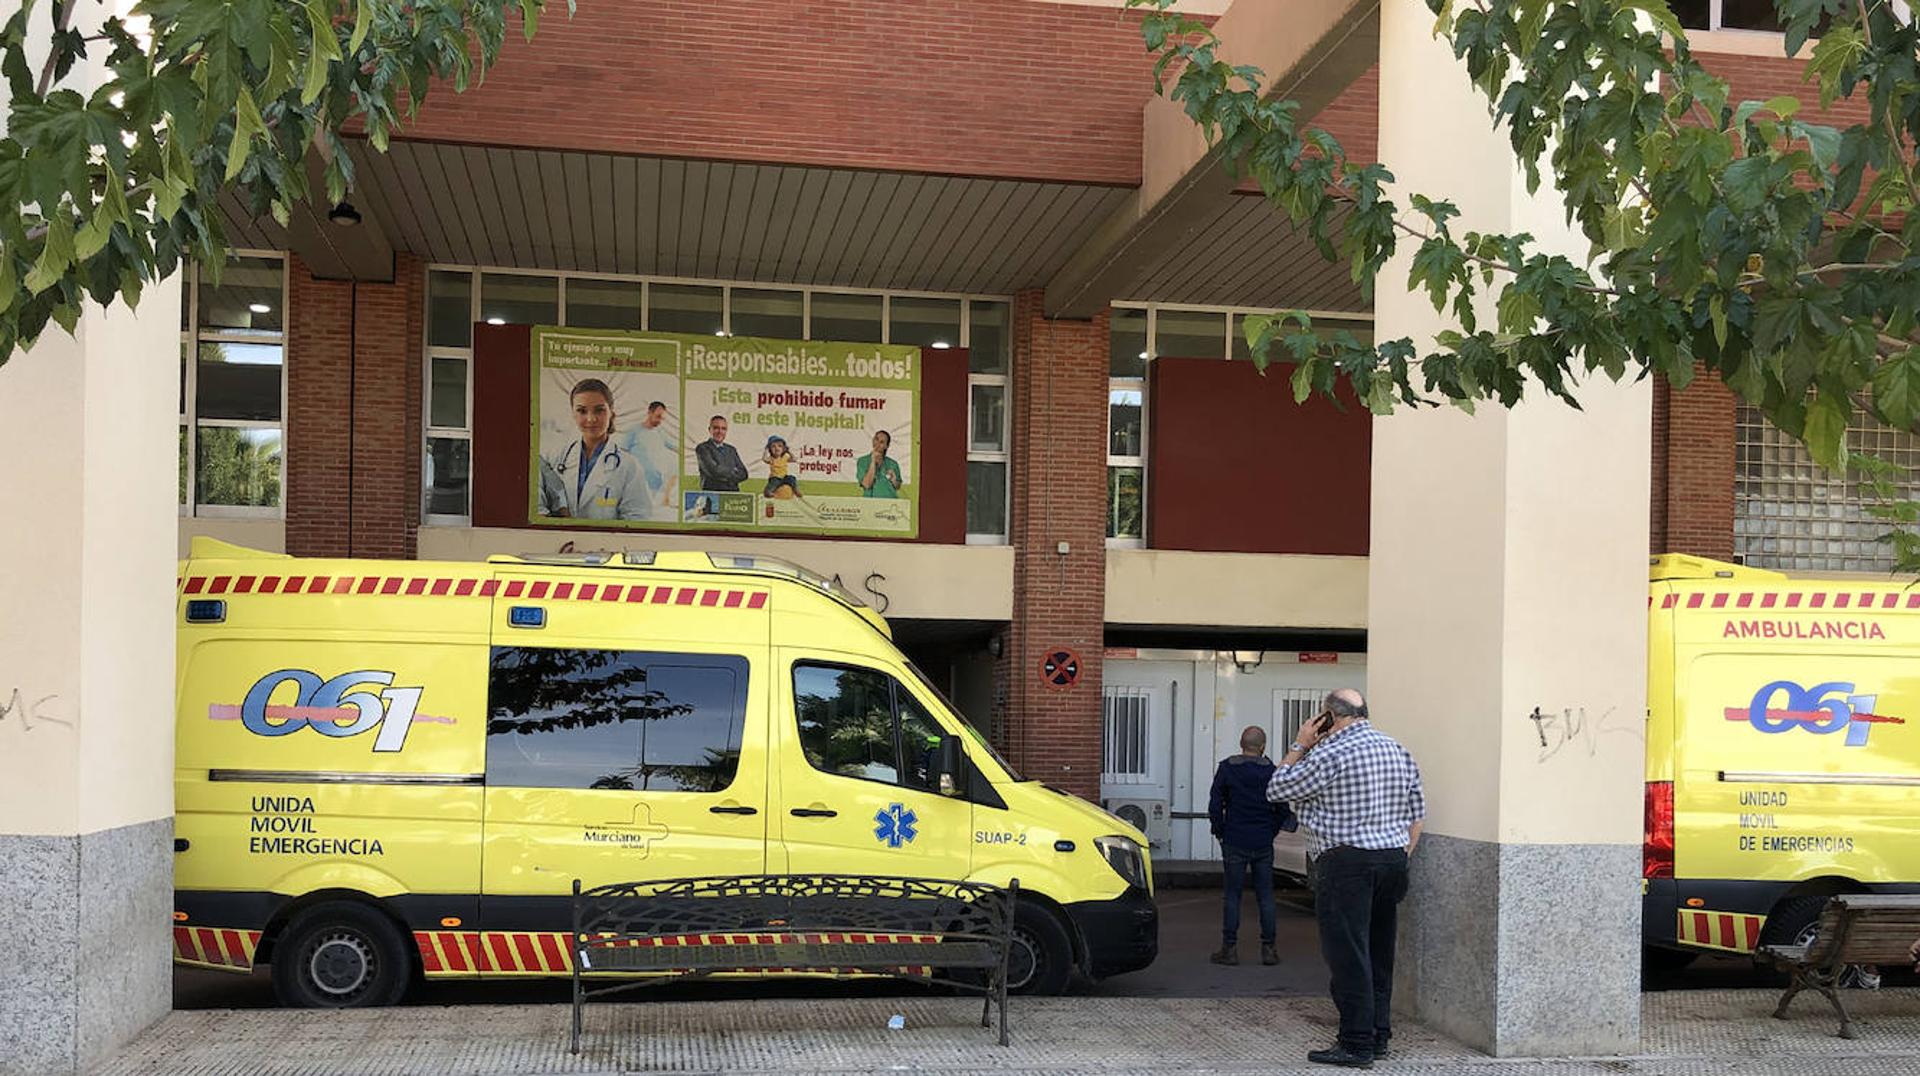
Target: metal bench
x=1871 y=928
x=951 y=933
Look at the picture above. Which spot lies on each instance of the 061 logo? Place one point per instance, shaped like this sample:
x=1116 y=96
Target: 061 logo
x=1820 y=709
x=346 y=705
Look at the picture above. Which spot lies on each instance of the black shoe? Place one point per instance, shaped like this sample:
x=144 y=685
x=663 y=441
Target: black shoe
x=1379 y=1051
x=1340 y=1055
x=1228 y=955
x=1268 y=955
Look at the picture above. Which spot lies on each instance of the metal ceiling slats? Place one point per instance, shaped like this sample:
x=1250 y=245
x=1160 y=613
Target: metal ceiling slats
x=624 y=194
x=504 y=176
x=873 y=229
x=901 y=229
x=1041 y=222
x=1194 y=254
x=410 y=230
x=1025 y=245
x=779 y=223
x=797 y=224
x=738 y=233
x=646 y=215
x=808 y=220
x=526 y=174
x=488 y=230
x=452 y=194
x=561 y=210
x=364 y=192
x=712 y=222
x=405 y=171
x=606 y=237
x=823 y=257
x=673 y=180
x=968 y=257
x=937 y=263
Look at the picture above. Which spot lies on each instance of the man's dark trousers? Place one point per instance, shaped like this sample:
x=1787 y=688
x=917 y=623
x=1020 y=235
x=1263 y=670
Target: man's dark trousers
x=1356 y=898
x=1239 y=861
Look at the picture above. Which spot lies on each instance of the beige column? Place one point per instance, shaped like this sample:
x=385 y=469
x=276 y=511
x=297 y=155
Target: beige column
x=88 y=474
x=1508 y=577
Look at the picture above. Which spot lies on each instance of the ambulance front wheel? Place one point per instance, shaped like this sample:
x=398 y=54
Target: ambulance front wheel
x=1041 y=960
x=341 y=955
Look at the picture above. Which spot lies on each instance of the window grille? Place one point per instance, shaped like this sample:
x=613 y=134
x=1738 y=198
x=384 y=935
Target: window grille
x=1126 y=732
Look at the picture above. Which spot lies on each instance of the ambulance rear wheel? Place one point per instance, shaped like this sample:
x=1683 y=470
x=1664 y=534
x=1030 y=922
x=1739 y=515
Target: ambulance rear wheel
x=1041 y=960
x=341 y=955
x=1793 y=922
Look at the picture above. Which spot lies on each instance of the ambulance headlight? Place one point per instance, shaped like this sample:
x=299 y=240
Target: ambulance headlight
x=1124 y=856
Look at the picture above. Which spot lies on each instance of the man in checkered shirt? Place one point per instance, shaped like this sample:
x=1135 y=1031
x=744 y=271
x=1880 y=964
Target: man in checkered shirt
x=1358 y=793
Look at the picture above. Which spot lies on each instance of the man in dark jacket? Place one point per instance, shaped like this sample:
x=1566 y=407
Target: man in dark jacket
x=1245 y=824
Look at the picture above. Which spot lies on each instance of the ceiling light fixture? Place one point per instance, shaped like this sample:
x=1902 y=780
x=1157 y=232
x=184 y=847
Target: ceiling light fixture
x=344 y=215
x=260 y=308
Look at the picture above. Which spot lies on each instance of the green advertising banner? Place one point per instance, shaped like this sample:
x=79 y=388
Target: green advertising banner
x=662 y=431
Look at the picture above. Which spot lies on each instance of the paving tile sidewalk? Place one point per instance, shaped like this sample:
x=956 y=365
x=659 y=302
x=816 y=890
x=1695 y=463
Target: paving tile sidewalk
x=1705 y=1033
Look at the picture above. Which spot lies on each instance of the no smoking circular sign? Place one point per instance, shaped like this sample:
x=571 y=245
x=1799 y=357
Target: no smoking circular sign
x=1060 y=668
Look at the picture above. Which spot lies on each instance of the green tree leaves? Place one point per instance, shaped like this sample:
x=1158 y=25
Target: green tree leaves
x=113 y=189
x=1781 y=255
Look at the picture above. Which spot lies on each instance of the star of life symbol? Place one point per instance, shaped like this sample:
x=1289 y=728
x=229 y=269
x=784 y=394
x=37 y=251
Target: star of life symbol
x=897 y=825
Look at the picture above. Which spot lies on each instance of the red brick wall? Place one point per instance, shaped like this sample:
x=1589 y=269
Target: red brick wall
x=1693 y=429
x=354 y=436
x=969 y=87
x=319 y=357
x=1059 y=468
x=1693 y=490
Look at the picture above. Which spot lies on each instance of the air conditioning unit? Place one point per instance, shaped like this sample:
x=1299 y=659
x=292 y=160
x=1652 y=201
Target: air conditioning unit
x=1151 y=817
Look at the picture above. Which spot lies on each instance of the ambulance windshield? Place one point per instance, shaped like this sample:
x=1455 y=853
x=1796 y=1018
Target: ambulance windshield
x=966 y=725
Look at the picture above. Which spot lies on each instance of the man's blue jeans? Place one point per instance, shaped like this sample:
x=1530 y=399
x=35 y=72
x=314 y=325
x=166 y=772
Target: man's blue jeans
x=1239 y=862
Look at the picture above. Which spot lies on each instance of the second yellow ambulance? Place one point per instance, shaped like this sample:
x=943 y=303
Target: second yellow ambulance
x=1783 y=752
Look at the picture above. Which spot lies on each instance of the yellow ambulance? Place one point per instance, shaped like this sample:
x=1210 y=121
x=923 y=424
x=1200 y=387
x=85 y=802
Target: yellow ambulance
x=396 y=769
x=1783 y=752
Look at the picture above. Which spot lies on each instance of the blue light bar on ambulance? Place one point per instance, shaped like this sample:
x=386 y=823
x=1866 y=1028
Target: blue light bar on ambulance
x=206 y=611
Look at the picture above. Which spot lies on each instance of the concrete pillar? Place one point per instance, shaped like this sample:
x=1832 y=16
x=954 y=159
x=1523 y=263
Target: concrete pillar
x=1058 y=531
x=88 y=451
x=1508 y=578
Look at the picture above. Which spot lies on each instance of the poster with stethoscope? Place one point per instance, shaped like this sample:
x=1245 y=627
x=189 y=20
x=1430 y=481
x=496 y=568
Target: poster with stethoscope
x=656 y=430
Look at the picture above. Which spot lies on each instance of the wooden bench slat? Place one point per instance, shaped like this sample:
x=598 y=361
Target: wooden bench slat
x=1858 y=902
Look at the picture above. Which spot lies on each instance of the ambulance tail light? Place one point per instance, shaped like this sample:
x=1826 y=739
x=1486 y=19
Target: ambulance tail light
x=1657 y=852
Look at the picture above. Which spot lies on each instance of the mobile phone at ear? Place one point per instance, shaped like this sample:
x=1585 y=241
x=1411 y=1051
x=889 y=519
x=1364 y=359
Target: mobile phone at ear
x=1324 y=723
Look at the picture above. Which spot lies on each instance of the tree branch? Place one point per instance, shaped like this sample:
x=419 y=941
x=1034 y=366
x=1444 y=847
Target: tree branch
x=62 y=19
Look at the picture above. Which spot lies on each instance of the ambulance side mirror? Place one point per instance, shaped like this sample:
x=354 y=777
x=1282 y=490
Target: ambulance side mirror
x=950 y=764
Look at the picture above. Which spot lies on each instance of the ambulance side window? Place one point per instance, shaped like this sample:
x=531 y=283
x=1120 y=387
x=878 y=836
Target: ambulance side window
x=613 y=719
x=846 y=721
x=862 y=723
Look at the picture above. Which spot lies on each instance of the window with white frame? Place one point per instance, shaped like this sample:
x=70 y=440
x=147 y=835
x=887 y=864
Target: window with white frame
x=989 y=357
x=1128 y=331
x=1293 y=707
x=233 y=387
x=1757 y=15
x=1126 y=735
x=458 y=296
